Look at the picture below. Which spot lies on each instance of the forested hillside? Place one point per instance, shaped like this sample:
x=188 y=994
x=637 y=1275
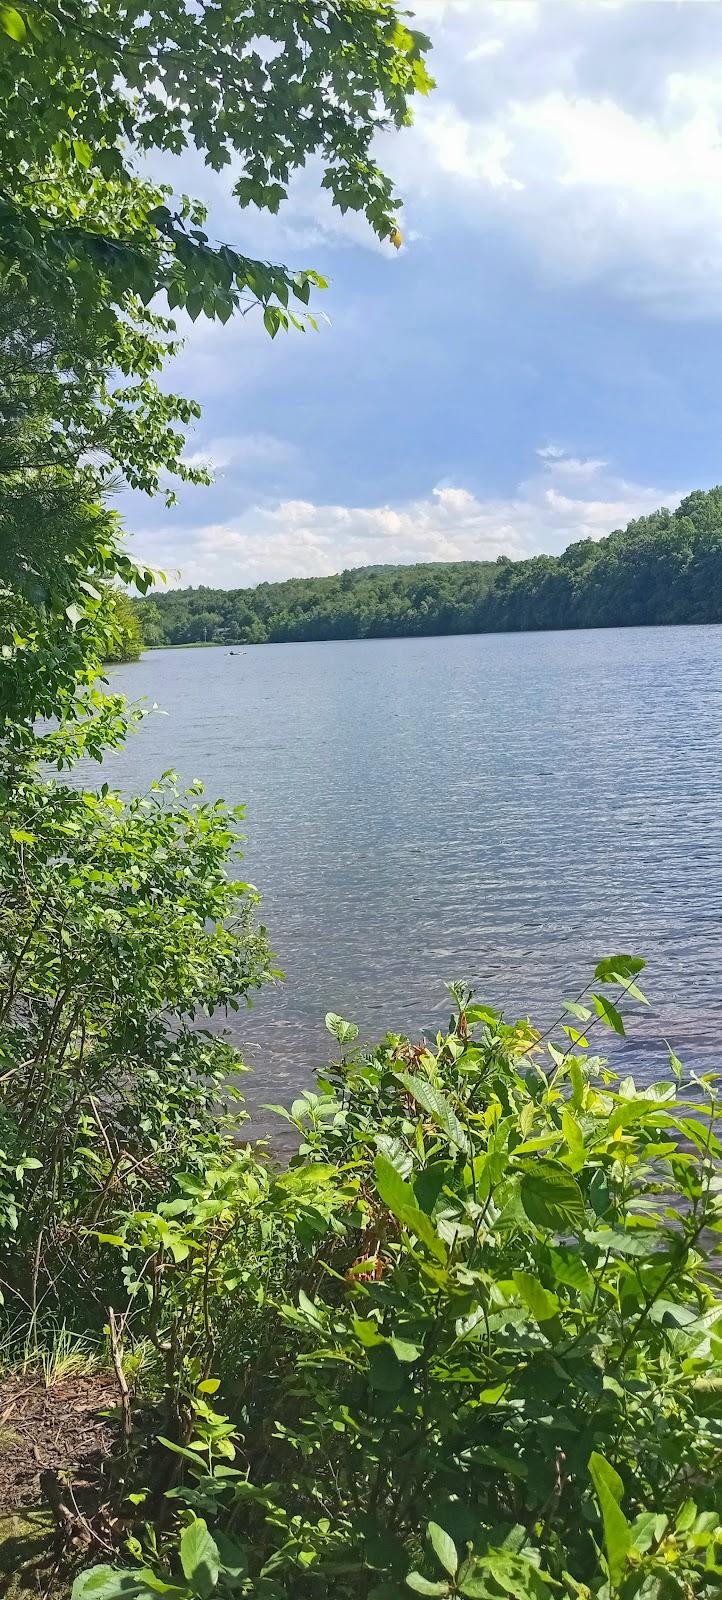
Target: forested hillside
x=367 y=603
x=666 y=567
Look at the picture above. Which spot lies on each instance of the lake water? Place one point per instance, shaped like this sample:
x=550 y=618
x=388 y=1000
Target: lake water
x=499 y=808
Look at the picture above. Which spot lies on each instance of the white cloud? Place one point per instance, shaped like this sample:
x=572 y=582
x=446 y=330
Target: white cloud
x=485 y=47
x=566 y=499
x=576 y=467
x=591 y=133
x=240 y=450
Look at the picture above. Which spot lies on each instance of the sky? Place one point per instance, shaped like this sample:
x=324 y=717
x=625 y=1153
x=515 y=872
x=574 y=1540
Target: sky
x=540 y=361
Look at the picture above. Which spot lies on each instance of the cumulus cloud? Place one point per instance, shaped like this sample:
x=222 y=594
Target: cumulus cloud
x=565 y=499
x=591 y=133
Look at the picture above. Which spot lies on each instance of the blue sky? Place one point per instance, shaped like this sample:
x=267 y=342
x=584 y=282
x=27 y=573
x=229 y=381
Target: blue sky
x=539 y=362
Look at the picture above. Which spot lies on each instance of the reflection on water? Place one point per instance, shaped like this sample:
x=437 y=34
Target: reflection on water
x=503 y=809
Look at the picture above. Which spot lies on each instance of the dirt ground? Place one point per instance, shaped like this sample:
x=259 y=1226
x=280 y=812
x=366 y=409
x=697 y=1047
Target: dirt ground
x=50 y=1437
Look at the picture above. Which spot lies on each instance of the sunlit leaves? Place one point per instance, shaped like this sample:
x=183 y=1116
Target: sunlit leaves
x=80 y=102
x=13 y=24
x=444 y=1548
x=435 y=1103
x=540 y=1301
x=344 y=1032
x=199 y=1556
x=617 y=1534
x=551 y=1196
x=399 y=1196
x=608 y=1013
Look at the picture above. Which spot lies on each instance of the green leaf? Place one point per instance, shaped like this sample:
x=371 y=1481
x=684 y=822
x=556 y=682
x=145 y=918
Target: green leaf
x=233 y=1559
x=416 y=1221
x=209 y=1386
x=182 y=1450
x=443 y=1547
x=422 y=1585
x=12 y=23
x=479 y=1013
x=617 y=1532
x=615 y=969
x=404 y=1350
x=608 y=1013
x=569 y=1268
x=540 y=1301
x=471 y=1581
x=199 y=1557
x=581 y=1012
x=392 y=1148
x=109 y=1583
x=101 y=1583
x=437 y=1107
x=303 y=1180
x=395 y=1192
x=385 y=1371
x=552 y=1198
x=686 y=1516
x=341 y=1030
x=516 y=1575
x=578 y=1083
x=309 y=1308
x=675 y=1063
x=271 y=320
x=645 y=1527
x=574 y=1140
x=575 y=1036
x=429 y=1182
x=401 y=1200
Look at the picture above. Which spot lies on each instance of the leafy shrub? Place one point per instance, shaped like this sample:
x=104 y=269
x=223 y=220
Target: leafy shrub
x=470 y=1343
x=118 y=925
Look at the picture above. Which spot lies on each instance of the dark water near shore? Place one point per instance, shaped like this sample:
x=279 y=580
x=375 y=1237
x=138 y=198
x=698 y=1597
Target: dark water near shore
x=504 y=809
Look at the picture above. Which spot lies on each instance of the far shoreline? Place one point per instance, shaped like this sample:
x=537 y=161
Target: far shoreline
x=377 y=638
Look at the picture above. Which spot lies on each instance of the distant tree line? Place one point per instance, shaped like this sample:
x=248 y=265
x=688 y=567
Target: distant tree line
x=663 y=568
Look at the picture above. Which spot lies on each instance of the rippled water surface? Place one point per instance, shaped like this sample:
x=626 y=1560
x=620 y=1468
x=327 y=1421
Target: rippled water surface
x=503 y=809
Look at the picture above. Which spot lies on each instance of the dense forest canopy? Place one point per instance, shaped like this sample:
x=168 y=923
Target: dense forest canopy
x=666 y=567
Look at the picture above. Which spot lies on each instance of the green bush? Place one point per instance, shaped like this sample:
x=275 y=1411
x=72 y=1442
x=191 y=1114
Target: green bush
x=119 y=924
x=469 y=1343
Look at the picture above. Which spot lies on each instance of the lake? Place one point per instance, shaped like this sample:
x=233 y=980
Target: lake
x=499 y=808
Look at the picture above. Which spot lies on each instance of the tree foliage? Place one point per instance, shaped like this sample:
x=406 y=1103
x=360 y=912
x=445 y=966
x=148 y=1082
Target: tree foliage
x=666 y=567
x=662 y=568
x=366 y=602
x=257 y=83
x=128 y=642
x=88 y=89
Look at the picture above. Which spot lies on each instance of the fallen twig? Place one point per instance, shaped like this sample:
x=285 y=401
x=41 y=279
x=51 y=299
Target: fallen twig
x=116 y=1346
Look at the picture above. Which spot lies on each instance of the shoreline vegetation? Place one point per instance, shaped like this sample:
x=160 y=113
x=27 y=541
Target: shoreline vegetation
x=665 y=568
x=223 y=644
